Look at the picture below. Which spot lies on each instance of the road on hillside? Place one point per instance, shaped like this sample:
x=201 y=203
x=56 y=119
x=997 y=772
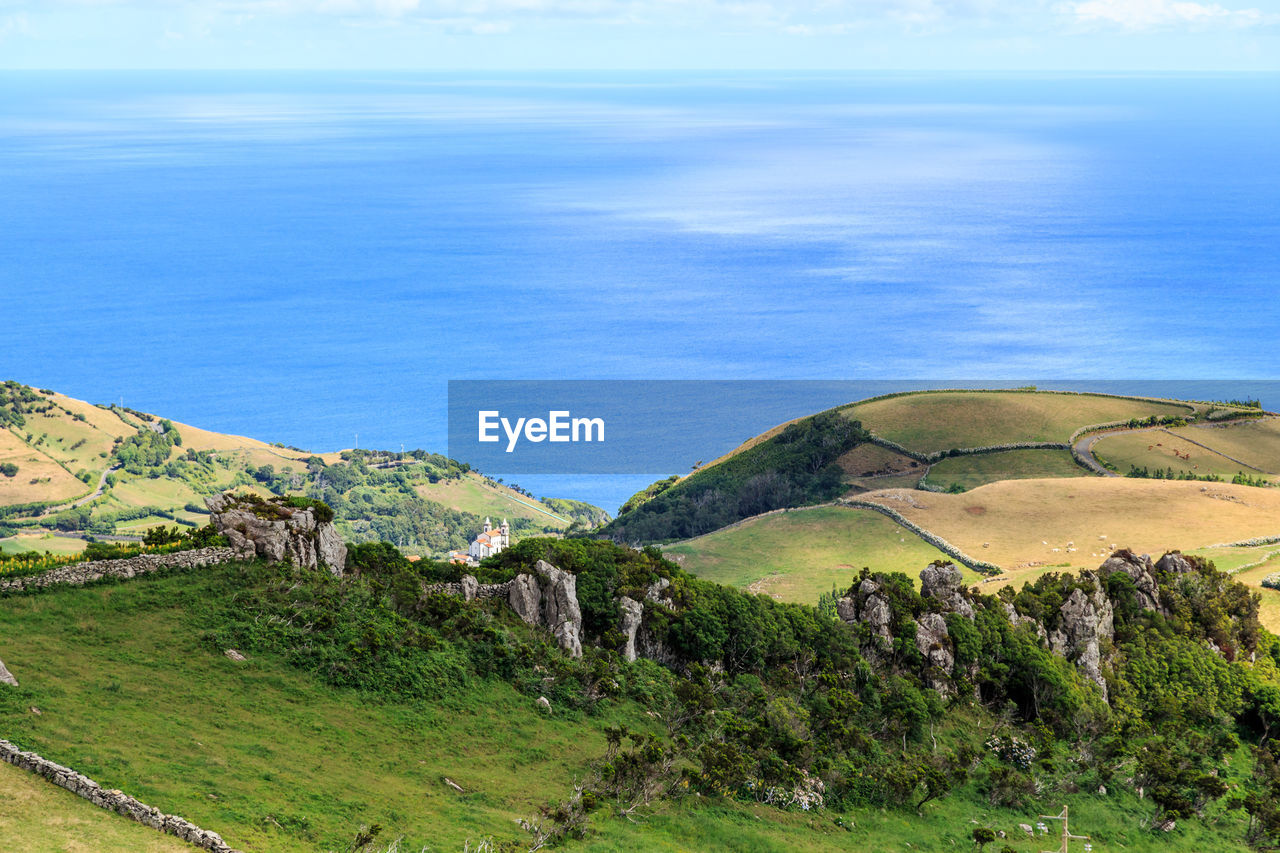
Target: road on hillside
x=102 y=484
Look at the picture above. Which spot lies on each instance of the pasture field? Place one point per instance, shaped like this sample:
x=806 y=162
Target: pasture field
x=1234 y=559
x=38 y=817
x=858 y=485
x=41 y=542
x=1074 y=523
x=134 y=696
x=1269 y=609
x=1162 y=449
x=969 y=472
x=472 y=494
x=74 y=443
x=249 y=450
x=1255 y=442
x=53 y=482
x=869 y=460
x=933 y=422
x=799 y=554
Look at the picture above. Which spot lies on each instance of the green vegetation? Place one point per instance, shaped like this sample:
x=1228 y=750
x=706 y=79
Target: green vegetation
x=797 y=555
x=969 y=472
x=1240 y=478
x=796 y=467
x=158 y=472
x=362 y=695
x=47 y=819
x=648 y=493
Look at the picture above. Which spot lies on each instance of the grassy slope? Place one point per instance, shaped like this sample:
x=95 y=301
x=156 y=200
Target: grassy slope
x=797 y=555
x=1254 y=442
x=276 y=762
x=260 y=752
x=1269 y=609
x=973 y=471
x=933 y=422
x=53 y=482
x=41 y=542
x=39 y=817
x=476 y=495
x=1024 y=520
x=1164 y=449
x=76 y=436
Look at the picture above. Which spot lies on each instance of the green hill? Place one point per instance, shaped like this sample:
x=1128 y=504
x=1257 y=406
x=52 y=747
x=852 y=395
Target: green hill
x=1026 y=503
x=363 y=702
x=154 y=471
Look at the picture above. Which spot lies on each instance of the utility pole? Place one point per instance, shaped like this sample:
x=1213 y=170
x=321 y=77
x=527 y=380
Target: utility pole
x=1067 y=837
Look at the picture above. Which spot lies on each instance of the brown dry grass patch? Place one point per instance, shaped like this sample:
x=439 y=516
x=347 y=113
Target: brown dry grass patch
x=1072 y=524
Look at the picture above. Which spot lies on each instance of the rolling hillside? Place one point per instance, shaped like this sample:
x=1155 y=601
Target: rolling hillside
x=1025 y=510
x=424 y=721
x=78 y=468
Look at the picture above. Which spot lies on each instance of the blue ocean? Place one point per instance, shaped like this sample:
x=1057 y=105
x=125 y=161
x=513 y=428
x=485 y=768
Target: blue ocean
x=307 y=257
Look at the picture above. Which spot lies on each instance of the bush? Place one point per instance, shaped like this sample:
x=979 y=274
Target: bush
x=9 y=469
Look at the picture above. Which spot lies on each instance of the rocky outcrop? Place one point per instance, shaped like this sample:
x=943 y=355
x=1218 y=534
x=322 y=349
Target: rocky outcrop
x=525 y=597
x=120 y=803
x=561 y=614
x=1174 y=563
x=631 y=616
x=1018 y=619
x=1084 y=621
x=1140 y=569
x=945 y=583
x=934 y=643
x=548 y=599
x=277 y=531
x=870 y=607
x=658 y=594
x=78 y=574
x=6 y=677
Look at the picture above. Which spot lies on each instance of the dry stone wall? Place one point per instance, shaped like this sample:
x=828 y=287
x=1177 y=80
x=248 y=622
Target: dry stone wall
x=79 y=574
x=116 y=801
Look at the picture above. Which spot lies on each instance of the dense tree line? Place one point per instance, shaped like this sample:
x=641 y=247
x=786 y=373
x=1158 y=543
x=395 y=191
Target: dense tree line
x=798 y=466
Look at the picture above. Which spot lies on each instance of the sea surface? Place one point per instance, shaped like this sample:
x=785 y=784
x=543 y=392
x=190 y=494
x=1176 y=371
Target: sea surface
x=310 y=257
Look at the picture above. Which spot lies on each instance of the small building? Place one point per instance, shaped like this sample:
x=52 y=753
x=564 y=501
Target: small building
x=490 y=541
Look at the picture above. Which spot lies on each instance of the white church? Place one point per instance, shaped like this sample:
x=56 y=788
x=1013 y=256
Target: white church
x=488 y=543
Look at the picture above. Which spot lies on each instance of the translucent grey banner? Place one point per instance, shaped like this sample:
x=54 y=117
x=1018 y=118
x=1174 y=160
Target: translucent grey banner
x=626 y=426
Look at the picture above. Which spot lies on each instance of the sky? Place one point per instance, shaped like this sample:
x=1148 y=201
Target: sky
x=476 y=35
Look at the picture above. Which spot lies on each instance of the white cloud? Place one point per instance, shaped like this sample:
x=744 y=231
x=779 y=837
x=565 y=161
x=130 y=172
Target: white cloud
x=1156 y=14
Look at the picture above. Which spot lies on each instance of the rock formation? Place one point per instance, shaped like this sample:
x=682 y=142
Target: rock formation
x=934 y=642
x=1084 y=620
x=873 y=610
x=560 y=612
x=1174 y=563
x=1141 y=570
x=1083 y=626
x=6 y=677
x=632 y=614
x=548 y=599
x=945 y=583
x=276 y=531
